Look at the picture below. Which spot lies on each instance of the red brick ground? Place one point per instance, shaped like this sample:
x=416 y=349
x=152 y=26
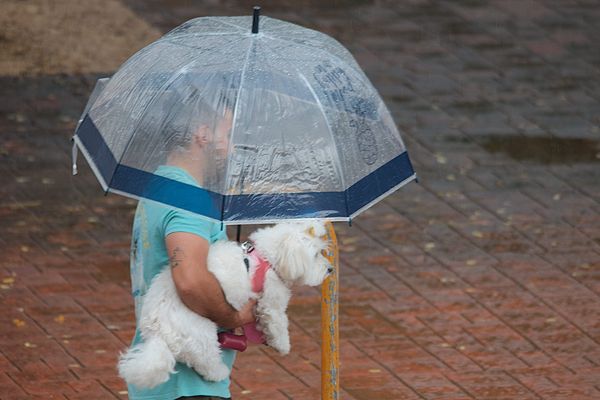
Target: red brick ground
x=480 y=282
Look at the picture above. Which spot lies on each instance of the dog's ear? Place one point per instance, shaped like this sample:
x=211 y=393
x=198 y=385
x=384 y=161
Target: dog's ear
x=293 y=257
x=316 y=228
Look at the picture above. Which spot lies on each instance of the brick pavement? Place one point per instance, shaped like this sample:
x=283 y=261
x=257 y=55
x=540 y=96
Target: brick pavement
x=481 y=282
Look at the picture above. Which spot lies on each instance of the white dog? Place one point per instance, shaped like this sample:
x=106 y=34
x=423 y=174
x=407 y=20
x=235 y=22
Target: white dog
x=291 y=252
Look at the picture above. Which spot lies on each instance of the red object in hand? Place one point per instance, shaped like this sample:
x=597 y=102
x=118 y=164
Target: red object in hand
x=232 y=341
x=253 y=334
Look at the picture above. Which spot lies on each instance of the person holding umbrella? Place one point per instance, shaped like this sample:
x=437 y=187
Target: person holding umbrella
x=165 y=235
x=310 y=138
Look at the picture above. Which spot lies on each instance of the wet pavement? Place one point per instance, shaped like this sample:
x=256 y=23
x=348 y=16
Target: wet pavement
x=480 y=282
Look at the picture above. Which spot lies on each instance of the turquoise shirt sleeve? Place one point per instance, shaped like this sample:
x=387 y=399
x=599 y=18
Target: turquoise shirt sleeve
x=181 y=221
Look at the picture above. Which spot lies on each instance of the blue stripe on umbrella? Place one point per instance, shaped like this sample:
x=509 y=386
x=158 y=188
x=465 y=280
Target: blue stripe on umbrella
x=290 y=205
x=379 y=182
x=168 y=191
x=241 y=207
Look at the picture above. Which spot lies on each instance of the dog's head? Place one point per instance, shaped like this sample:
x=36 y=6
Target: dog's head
x=295 y=250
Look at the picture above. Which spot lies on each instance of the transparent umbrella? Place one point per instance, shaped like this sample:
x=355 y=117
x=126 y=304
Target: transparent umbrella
x=293 y=129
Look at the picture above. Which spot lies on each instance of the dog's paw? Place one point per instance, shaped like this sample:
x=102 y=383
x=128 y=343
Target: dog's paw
x=281 y=346
x=216 y=372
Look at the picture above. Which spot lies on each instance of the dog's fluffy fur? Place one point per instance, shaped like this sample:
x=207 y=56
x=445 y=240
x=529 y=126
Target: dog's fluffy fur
x=172 y=333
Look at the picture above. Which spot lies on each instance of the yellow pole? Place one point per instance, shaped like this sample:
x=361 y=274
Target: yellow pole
x=330 y=363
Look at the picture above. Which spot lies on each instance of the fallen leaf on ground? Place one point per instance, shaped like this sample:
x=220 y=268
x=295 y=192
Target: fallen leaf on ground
x=380 y=260
x=18 y=323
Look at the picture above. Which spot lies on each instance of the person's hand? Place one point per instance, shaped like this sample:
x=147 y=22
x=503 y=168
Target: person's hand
x=246 y=314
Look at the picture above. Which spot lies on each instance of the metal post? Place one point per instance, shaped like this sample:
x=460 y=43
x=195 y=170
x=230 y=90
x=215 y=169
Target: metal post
x=330 y=364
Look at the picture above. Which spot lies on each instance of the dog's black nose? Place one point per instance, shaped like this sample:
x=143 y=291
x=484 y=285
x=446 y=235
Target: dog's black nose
x=329 y=270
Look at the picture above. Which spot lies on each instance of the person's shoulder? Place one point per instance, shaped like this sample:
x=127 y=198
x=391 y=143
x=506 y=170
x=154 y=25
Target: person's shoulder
x=178 y=220
x=174 y=173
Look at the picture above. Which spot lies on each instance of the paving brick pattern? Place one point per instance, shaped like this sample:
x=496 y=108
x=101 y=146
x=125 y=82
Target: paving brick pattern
x=480 y=282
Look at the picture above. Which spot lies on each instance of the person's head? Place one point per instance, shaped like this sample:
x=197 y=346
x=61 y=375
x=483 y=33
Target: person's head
x=193 y=121
x=196 y=131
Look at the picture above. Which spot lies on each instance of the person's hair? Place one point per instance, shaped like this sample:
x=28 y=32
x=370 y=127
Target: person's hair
x=186 y=112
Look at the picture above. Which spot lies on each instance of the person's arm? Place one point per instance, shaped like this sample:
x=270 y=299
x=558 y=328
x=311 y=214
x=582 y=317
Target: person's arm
x=197 y=286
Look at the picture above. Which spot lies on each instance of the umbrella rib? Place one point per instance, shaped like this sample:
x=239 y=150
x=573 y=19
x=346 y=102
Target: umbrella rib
x=170 y=39
x=241 y=28
x=322 y=110
x=235 y=112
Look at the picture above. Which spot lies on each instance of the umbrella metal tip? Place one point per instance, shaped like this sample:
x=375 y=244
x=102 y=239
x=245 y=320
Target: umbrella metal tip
x=255 y=15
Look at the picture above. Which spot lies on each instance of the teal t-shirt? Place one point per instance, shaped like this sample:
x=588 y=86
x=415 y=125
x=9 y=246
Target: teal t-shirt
x=152 y=223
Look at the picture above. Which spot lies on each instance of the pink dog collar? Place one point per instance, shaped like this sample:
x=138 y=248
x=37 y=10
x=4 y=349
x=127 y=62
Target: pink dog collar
x=257 y=268
x=258 y=271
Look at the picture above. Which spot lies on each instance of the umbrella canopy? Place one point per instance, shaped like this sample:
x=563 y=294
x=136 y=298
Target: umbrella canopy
x=295 y=128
